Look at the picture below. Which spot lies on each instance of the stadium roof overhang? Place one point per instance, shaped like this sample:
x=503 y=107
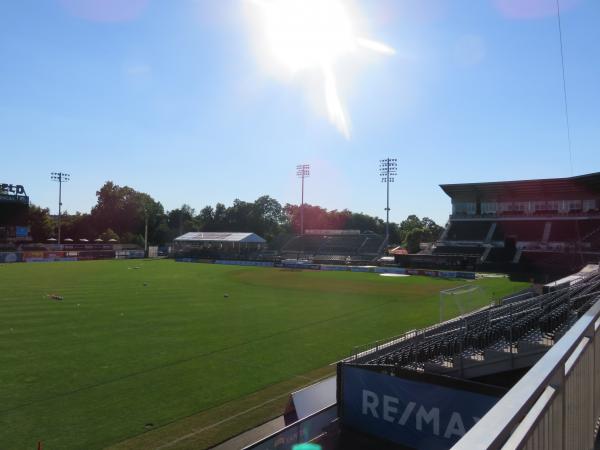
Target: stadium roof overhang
x=551 y=188
x=247 y=238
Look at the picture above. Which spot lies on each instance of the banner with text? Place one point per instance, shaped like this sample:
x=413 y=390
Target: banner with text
x=416 y=413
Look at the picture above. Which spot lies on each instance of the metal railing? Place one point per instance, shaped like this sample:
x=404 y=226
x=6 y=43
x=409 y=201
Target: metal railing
x=371 y=348
x=302 y=431
x=556 y=405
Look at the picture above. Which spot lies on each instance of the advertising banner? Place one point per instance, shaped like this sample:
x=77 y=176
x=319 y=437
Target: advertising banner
x=397 y=270
x=244 y=263
x=335 y=268
x=300 y=265
x=466 y=275
x=10 y=257
x=448 y=274
x=129 y=254
x=188 y=260
x=421 y=412
x=54 y=255
x=30 y=256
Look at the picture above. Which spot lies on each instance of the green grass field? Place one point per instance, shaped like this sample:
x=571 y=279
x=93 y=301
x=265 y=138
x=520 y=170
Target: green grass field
x=127 y=347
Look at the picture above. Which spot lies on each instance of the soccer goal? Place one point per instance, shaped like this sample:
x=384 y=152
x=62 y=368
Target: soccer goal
x=462 y=300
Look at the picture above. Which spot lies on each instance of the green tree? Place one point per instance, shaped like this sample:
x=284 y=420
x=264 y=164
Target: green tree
x=77 y=226
x=180 y=221
x=220 y=218
x=109 y=234
x=41 y=225
x=124 y=210
x=432 y=230
x=206 y=218
x=413 y=238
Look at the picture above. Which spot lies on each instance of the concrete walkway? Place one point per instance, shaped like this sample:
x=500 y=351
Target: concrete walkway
x=251 y=436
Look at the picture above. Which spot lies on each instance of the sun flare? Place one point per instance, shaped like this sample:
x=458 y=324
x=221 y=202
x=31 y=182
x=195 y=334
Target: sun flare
x=304 y=35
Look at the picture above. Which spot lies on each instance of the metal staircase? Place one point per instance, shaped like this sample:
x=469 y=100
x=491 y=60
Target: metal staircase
x=490 y=233
x=547 y=231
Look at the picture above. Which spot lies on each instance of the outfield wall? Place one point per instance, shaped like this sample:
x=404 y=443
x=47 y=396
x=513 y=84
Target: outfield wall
x=331 y=268
x=67 y=255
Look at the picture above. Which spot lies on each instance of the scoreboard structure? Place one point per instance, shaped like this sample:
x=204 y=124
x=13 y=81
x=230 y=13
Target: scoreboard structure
x=14 y=208
x=13 y=193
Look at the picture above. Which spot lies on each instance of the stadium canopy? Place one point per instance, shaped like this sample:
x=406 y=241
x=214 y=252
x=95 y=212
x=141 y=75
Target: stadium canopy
x=242 y=238
x=572 y=187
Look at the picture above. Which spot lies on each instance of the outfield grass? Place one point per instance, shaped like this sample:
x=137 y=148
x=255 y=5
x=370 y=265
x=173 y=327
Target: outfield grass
x=128 y=347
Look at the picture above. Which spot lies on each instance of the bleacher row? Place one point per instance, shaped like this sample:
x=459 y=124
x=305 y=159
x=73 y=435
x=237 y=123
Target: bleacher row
x=586 y=230
x=459 y=250
x=360 y=247
x=540 y=320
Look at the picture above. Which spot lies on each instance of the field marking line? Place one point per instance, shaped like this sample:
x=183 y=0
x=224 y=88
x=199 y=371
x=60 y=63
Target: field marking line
x=220 y=422
x=197 y=356
x=241 y=413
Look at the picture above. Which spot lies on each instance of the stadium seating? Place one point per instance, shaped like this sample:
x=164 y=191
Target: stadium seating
x=468 y=230
x=459 y=250
x=564 y=231
x=338 y=259
x=372 y=245
x=354 y=247
x=590 y=232
x=341 y=245
x=500 y=254
x=544 y=316
x=521 y=230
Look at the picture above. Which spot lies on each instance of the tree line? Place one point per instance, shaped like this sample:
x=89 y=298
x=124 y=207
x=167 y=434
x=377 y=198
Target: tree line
x=121 y=212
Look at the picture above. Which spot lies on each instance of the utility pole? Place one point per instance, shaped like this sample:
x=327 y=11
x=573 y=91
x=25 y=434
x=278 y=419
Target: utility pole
x=387 y=170
x=302 y=171
x=61 y=177
x=145 y=232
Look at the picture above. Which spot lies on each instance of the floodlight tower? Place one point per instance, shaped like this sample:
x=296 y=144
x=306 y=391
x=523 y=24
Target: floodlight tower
x=61 y=177
x=388 y=168
x=302 y=171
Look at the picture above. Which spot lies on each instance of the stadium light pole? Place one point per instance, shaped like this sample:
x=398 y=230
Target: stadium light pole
x=302 y=171
x=61 y=177
x=145 y=233
x=387 y=170
x=145 y=206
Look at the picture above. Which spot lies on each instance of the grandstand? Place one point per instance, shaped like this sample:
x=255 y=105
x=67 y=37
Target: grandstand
x=334 y=246
x=497 y=346
x=520 y=330
x=540 y=228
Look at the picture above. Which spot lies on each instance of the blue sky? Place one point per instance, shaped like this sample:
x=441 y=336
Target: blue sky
x=171 y=98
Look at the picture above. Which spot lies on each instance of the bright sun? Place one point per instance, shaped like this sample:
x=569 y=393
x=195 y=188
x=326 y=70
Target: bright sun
x=313 y=35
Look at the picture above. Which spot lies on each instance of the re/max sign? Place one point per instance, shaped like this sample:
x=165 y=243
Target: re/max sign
x=15 y=189
x=422 y=412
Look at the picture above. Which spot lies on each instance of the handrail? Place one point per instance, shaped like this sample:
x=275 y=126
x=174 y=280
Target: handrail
x=529 y=421
x=289 y=427
x=495 y=427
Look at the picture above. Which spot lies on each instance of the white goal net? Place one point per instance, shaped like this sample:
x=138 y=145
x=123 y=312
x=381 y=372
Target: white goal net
x=462 y=300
